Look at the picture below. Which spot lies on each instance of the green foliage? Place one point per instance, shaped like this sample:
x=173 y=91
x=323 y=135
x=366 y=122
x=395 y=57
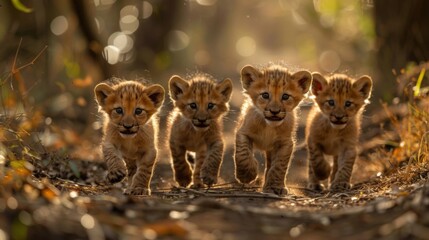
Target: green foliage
x=74 y=169
x=72 y=68
x=21 y=7
x=419 y=82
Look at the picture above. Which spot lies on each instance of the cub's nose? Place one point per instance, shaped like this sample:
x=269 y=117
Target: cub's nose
x=339 y=117
x=127 y=126
x=274 y=112
x=202 y=120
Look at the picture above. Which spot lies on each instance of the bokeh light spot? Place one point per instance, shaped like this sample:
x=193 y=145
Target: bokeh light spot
x=149 y=234
x=87 y=221
x=2 y=158
x=25 y=218
x=129 y=10
x=329 y=61
x=96 y=125
x=245 y=46
x=129 y=24
x=97 y=24
x=107 y=2
x=111 y=54
x=12 y=203
x=147 y=10
x=3 y=235
x=59 y=25
x=178 y=40
x=206 y=2
x=122 y=41
x=48 y=121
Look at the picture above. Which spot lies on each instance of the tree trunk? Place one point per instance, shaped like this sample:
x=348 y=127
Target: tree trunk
x=402 y=37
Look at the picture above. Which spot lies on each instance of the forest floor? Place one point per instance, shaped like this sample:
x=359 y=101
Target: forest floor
x=53 y=196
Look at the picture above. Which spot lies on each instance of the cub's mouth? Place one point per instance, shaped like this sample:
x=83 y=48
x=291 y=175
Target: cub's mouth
x=338 y=124
x=201 y=125
x=274 y=118
x=127 y=133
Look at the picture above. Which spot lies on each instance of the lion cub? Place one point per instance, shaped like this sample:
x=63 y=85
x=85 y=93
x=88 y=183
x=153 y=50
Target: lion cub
x=267 y=122
x=333 y=128
x=129 y=131
x=196 y=126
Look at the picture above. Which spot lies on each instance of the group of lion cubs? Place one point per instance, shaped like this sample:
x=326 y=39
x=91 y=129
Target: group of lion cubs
x=267 y=122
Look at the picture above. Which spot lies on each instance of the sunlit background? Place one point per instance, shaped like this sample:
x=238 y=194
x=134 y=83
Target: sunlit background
x=89 y=41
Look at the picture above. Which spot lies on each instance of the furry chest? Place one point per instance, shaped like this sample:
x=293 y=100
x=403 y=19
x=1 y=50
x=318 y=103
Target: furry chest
x=191 y=139
x=266 y=139
x=332 y=145
x=131 y=148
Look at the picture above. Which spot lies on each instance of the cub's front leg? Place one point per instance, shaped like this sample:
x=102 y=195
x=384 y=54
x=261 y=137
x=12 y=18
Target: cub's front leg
x=246 y=167
x=140 y=184
x=182 y=169
x=211 y=165
x=318 y=168
x=346 y=160
x=278 y=162
x=200 y=157
x=116 y=169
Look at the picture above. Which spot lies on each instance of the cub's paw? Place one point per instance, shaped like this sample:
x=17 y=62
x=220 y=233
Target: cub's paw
x=183 y=177
x=318 y=187
x=197 y=185
x=208 y=178
x=116 y=175
x=184 y=180
x=281 y=191
x=138 y=191
x=339 y=186
x=247 y=174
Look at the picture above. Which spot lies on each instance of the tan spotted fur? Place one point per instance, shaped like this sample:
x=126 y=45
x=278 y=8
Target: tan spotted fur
x=130 y=129
x=195 y=125
x=333 y=128
x=268 y=122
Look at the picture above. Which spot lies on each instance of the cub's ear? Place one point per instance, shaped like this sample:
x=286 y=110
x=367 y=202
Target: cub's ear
x=363 y=85
x=102 y=91
x=177 y=87
x=156 y=93
x=249 y=74
x=225 y=89
x=319 y=83
x=304 y=80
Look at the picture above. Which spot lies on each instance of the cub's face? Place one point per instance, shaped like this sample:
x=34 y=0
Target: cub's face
x=339 y=97
x=129 y=104
x=274 y=91
x=201 y=100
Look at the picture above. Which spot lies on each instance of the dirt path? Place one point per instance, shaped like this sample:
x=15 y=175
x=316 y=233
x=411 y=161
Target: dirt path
x=62 y=198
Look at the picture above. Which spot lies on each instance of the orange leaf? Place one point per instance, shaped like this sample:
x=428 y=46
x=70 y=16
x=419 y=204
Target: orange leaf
x=82 y=83
x=50 y=192
x=169 y=227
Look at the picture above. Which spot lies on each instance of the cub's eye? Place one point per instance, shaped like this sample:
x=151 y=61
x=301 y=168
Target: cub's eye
x=285 y=96
x=119 y=110
x=193 y=105
x=138 y=111
x=265 y=95
x=331 y=103
x=210 y=106
x=347 y=103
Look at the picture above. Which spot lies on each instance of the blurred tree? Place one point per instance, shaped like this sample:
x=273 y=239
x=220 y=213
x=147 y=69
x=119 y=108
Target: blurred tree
x=85 y=12
x=152 y=35
x=402 y=37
